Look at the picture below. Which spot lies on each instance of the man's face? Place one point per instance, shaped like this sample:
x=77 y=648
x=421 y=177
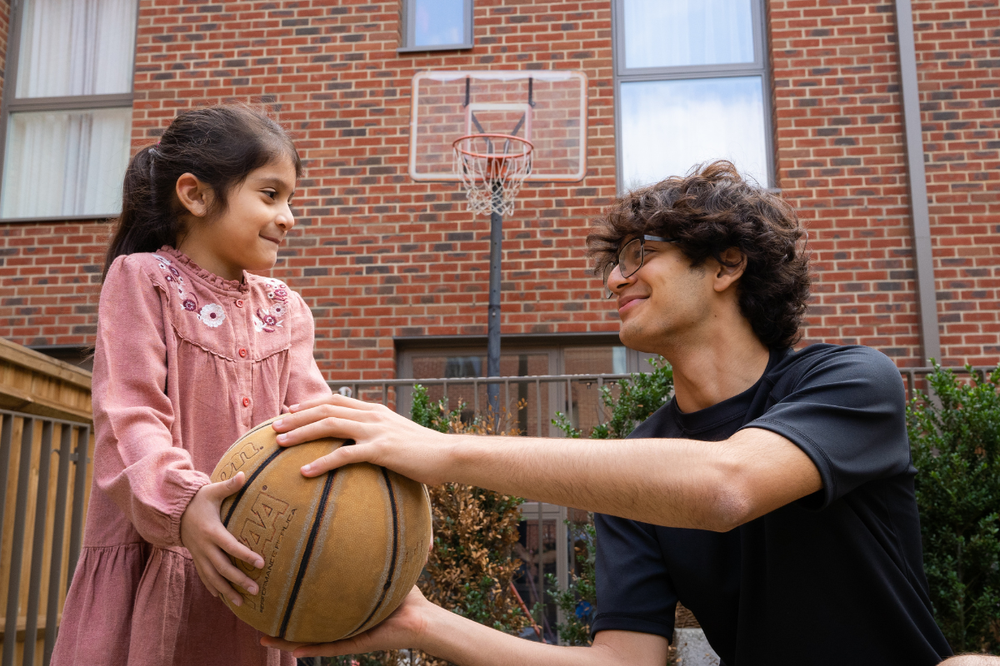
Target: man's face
x=666 y=302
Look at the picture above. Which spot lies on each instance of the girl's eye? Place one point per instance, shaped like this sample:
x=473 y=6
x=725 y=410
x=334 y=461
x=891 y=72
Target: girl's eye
x=271 y=193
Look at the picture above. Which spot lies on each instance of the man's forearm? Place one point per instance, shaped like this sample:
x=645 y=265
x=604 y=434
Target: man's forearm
x=467 y=643
x=674 y=482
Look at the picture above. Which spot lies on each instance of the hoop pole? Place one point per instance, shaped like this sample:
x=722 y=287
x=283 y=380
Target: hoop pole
x=493 y=323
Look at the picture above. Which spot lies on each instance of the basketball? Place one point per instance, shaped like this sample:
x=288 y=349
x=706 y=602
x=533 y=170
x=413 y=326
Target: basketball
x=340 y=550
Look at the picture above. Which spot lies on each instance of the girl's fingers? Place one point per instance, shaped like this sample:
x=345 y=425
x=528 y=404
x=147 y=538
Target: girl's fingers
x=227 y=542
x=217 y=585
x=220 y=490
x=232 y=573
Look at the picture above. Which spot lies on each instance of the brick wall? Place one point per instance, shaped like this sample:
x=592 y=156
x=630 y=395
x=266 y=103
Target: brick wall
x=367 y=252
x=377 y=255
x=958 y=66
x=842 y=163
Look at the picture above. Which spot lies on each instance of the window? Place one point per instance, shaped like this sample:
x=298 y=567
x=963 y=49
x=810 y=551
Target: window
x=692 y=87
x=435 y=25
x=67 y=113
x=521 y=357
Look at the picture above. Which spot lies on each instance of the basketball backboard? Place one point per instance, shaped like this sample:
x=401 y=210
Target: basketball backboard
x=547 y=108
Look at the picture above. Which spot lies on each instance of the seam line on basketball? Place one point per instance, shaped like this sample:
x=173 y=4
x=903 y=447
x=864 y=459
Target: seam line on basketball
x=307 y=553
x=395 y=548
x=247 y=483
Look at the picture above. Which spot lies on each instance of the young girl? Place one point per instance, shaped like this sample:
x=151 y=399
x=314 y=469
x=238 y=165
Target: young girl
x=192 y=350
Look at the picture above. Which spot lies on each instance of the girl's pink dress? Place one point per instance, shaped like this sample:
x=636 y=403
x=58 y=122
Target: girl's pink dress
x=185 y=363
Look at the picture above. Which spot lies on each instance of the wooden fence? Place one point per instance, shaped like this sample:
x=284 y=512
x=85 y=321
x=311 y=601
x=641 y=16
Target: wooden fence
x=45 y=443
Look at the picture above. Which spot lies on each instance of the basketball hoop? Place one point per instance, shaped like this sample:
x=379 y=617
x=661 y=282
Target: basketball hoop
x=492 y=168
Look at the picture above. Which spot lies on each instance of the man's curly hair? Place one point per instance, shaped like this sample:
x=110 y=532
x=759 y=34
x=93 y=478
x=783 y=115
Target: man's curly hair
x=707 y=212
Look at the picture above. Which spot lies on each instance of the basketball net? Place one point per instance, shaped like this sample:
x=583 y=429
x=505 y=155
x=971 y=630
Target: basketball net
x=492 y=168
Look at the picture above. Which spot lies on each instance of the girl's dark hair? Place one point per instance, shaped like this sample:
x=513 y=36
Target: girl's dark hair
x=707 y=212
x=220 y=145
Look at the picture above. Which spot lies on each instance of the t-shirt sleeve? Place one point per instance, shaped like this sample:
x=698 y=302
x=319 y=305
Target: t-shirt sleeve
x=847 y=412
x=634 y=592
x=305 y=380
x=135 y=462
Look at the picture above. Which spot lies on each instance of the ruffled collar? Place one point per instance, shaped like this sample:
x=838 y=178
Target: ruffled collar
x=213 y=280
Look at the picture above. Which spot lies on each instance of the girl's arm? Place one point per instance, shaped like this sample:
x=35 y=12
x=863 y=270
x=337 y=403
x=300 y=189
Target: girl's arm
x=135 y=462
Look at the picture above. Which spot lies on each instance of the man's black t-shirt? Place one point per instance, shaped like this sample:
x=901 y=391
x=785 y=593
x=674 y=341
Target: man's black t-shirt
x=835 y=578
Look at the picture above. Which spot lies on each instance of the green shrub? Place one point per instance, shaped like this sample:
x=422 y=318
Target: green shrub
x=638 y=396
x=579 y=601
x=471 y=566
x=475 y=530
x=955 y=440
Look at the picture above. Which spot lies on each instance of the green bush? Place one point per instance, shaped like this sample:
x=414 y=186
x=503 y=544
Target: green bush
x=475 y=530
x=955 y=439
x=638 y=396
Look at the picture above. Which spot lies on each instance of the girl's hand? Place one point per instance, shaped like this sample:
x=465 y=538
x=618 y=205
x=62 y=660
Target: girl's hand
x=403 y=629
x=204 y=535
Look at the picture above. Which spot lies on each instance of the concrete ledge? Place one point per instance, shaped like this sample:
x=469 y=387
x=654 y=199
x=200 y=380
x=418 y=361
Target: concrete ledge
x=693 y=648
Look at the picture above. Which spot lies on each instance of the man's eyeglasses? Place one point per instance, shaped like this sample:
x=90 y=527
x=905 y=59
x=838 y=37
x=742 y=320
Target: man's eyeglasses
x=630 y=258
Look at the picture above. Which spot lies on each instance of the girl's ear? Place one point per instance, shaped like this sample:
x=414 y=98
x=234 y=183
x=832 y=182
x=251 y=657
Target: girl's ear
x=194 y=195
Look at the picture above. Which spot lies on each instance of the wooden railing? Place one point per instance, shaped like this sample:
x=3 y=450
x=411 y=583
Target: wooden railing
x=45 y=445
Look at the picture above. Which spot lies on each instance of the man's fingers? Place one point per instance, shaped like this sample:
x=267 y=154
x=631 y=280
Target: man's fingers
x=311 y=650
x=326 y=427
x=335 y=399
x=345 y=455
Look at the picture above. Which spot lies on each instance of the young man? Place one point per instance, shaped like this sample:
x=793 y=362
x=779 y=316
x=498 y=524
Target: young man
x=773 y=496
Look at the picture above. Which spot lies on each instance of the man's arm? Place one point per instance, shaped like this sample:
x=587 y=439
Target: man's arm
x=422 y=625
x=672 y=482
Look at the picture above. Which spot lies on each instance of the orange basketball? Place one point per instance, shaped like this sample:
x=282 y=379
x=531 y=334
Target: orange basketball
x=340 y=551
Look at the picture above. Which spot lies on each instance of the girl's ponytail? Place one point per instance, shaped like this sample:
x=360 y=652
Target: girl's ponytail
x=145 y=224
x=220 y=145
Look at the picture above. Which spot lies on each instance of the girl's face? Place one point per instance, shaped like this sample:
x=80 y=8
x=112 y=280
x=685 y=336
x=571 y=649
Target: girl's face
x=246 y=236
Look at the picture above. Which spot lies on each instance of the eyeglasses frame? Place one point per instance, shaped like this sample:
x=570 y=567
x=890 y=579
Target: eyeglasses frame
x=642 y=258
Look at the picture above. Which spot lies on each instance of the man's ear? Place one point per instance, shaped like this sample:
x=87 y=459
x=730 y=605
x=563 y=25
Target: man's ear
x=194 y=195
x=730 y=269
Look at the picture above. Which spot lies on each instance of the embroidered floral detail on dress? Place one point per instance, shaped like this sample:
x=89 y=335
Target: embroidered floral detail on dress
x=211 y=315
x=265 y=321
x=268 y=320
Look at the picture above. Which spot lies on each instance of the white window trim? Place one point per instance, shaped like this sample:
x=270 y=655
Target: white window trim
x=760 y=66
x=408 y=30
x=10 y=104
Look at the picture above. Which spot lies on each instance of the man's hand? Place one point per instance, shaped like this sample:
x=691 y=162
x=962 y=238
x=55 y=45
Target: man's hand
x=381 y=437
x=403 y=629
x=419 y=624
x=204 y=535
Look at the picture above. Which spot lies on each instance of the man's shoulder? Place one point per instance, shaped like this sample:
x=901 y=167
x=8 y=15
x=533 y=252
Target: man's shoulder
x=834 y=361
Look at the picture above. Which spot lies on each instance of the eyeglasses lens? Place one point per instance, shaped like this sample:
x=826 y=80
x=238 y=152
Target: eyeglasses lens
x=629 y=259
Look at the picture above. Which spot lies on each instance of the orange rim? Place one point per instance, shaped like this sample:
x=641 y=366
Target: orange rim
x=527 y=147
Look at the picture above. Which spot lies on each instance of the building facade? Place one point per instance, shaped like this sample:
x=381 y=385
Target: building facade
x=902 y=216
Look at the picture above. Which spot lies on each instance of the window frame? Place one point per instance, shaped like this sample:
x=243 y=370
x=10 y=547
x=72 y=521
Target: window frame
x=10 y=104
x=409 y=28
x=554 y=346
x=759 y=67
